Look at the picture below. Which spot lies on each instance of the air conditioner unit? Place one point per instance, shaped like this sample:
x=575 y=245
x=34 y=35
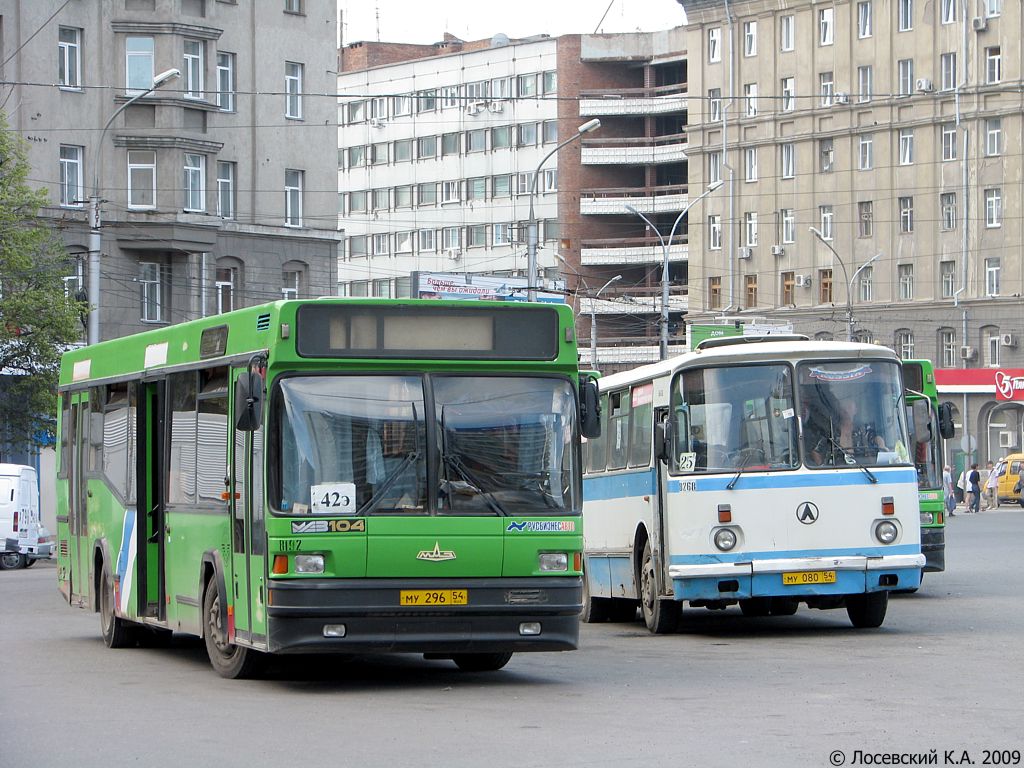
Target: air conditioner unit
x=979 y=23
x=1007 y=439
x=453 y=253
x=1008 y=340
x=473 y=108
x=496 y=106
x=746 y=253
x=924 y=85
x=802 y=281
x=778 y=250
x=376 y=122
x=842 y=98
x=968 y=353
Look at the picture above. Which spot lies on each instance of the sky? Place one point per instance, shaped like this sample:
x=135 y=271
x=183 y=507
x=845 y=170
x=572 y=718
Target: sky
x=426 y=21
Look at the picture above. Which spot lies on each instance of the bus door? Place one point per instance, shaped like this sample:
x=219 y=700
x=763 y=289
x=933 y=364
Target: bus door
x=659 y=533
x=247 y=581
x=151 y=516
x=78 y=518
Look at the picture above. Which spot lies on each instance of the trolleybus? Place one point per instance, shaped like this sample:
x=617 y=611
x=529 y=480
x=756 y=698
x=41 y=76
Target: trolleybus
x=765 y=472
x=330 y=476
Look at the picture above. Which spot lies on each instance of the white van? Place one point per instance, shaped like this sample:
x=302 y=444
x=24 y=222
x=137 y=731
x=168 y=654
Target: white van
x=23 y=539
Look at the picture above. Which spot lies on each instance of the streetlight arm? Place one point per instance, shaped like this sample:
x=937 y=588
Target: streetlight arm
x=817 y=233
x=631 y=209
x=585 y=128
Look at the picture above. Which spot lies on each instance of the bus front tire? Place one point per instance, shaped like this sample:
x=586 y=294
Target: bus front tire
x=229 y=660
x=595 y=609
x=661 y=616
x=867 y=611
x=481 y=662
x=115 y=630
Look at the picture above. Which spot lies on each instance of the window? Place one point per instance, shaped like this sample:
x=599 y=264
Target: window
x=427 y=243
x=947 y=276
x=993 y=7
x=141 y=179
x=827 y=155
x=867 y=284
x=994 y=207
x=476 y=189
x=750 y=38
x=479 y=90
x=550 y=180
x=451 y=238
x=787 y=155
x=293 y=72
x=865 y=218
x=788 y=284
x=357 y=247
x=905 y=277
x=750 y=289
x=947 y=205
x=357 y=202
x=476 y=140
x=750 y=94
x=947 y=71
x=548 y=82
x=905 y=15
x=550 y=131
x=904 y=344
x=714 y=232
x=715 y=104
x=403 y=196
x=72 y=191
x=826 y=26
x=426 y=194
x=827 y=88
x=865 y=84
x=527 y=135
x=138 y=64
x=476 y=236
x=382 y=288
x=714 y=167
x=527 y=84
x=824 y=286
x=381 y=199
x=224 y=288
x=788 y=94
x=826 y=216
x=866 y=152
x=450 y=144
x=401 y=104
x=450 y=191
x=993 y=136
x=864 y=19
x=151 y=289
x=402 y=151
x=750 y=228
x=381 y=244
x=226 y=81
x=293 y=180
x=450 y=97
x=948 y=141
x=947 y=11
x=502 y=234
x=69 y=57
x=993 y=65
x=290 y=284
x=750 y=163
x=714 y=293
x=379 y=107
x=356 y=111
x=501 y=137
x=426 y=101
x=293 y=6
x=947 y=347
x=788 y=218
x=195 y=182
x=501 y=186
x=715 y=44
x=524 y=183
x=787 y=26
x=379 y=154
x=906 y=146
x=990 y=345
x=426 y=147
x=194 y=68
x=905 y=69
x=906 y=205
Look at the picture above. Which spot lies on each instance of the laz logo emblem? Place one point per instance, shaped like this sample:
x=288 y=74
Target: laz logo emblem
x=328 y=526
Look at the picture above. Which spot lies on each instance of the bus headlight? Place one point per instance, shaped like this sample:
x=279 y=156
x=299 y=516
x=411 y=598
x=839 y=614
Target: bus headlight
x=886 y=531
x=725 y=539
x=926 y=518
x=309 y=563
x=553 y=561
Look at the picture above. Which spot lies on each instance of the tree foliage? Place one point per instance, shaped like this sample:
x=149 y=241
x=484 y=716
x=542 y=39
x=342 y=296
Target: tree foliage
x=37 y=320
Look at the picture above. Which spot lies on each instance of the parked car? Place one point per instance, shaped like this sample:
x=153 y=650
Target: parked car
x=1009 y=470
x=23 y=537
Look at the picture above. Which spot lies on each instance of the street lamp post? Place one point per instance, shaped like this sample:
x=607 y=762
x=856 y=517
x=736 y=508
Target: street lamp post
x=593 y=321
x=531 y=231
x=95 y=201
x=663 y=345
x=849 y=280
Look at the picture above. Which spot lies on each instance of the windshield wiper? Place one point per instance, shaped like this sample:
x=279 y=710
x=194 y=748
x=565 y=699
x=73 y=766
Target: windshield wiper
x=739 y=471
x=852 y=461
x=389 y=481
x=471 y=484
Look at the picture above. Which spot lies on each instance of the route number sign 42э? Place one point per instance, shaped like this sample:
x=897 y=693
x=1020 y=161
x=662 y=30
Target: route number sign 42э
x=333 y=498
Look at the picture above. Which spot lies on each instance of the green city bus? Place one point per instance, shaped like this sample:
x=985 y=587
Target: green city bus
x=330 y=475
x=930 y=422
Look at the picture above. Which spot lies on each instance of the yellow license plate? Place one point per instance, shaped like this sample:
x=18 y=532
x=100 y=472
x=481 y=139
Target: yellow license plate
x=434 y=597
x=809 y=577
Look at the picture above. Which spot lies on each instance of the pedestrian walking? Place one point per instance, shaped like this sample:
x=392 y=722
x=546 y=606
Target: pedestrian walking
x=991 y=483
x=947 y=489
x=961 y=485
x=974 y=483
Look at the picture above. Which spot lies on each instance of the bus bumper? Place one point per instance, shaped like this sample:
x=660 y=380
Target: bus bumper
x=763 y=578
x=300 y=613
x=933 y=547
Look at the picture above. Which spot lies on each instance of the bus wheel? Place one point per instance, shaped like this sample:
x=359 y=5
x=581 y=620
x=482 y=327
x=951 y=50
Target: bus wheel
x=115 y=630
x=481 y=662
x=756 y=606
x=9 y=561
x=229 y=660
x=867 y=611
x=595 y=609
x=661 y=616
x=783 y=606
x=623 y=609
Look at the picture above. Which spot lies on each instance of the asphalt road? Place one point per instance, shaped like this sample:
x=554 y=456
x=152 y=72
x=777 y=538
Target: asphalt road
x=944 y=672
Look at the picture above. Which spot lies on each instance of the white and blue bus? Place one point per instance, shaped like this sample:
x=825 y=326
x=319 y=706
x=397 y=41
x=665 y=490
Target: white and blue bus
x=766 y=472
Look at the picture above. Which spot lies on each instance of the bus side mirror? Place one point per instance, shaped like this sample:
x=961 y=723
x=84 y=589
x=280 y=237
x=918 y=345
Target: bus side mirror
x=663 y=436
x=946 y=427
x=248 y=402
x=590 y=409
x=921 y=413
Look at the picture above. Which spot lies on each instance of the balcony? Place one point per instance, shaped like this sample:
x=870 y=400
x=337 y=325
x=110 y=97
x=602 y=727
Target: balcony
x=647 y=200
x=637 y=102
x=631 y=251
x=635 y=151
x=635 y=301
x=625 y=352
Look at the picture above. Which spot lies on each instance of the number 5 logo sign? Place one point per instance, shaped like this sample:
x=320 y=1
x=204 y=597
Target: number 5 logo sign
x=333 y=498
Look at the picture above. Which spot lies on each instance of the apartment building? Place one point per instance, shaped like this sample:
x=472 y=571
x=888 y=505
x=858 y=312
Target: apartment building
x=213 y=190
x=444 y=149
x=869 y=154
